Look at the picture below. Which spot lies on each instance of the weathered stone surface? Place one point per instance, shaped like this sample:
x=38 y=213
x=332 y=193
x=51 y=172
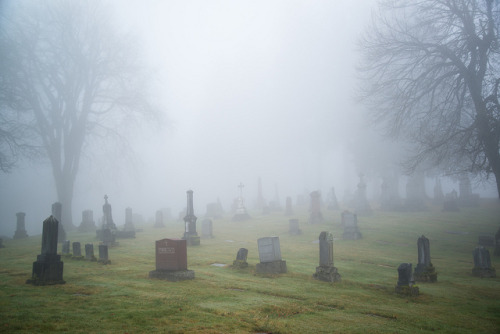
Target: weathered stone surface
x=88 y=223
x=48 y=268
x=20 y=232
x=327 y=274
x=77 y=250
x=171 y=254
x=405 y=285
x=89 y=252
x=274 y=267
x=190 y=234
x=424 y=271
x=207 y=228
x=103 y=254
x=326 y=271
x=350 y=223
x=65 y=247
x=269 y=249
x=482 y=263
x=241 y=259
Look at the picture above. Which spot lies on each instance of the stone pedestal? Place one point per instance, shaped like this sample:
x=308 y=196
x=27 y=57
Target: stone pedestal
x=274 y=267
x=48 y=268
x=20 y=226
x=327 y=274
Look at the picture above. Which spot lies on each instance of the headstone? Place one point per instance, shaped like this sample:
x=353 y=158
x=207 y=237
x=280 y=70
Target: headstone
x=89 y=252
x=288 y=206
x=315 y=215
x=240 y=211
x=390 y=200
x=57 y=214
x=159 y=219
x=294 y=227
x=497 y=243
x=331 y=200
x=20 y=226
x=103 y=254
x=88 y=223
x=65 y=247
x=466 y=198
x=415 y=193
x=171 y=260
x=450 y=203
x=190 y=234
x=482 y=263
x=107 y=219
x=349 y=221
x=270 y=256
x=326 y=271
x=77 y=250
x=207 y=228
x=405 y=285
x=241 y=259
x=48 y=268
x=424 y=271
x=361 y=205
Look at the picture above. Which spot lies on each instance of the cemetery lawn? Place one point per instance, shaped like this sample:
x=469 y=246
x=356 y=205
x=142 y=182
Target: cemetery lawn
x=120 y=298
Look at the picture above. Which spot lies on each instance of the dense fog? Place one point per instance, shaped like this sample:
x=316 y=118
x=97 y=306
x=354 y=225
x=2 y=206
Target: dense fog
x=250 y=89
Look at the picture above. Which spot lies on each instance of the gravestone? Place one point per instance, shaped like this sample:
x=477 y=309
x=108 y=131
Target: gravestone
x=77 y=251
x=326 y=271
x=20 y=226
x=48 y=268
x=450 y=203
x=240 y=210
x=415 y=193
x=482 y=263
x=103 y=254
x=65 y=247
x=270 y=256
x=361 y=205
x=171 y=260
x=405 y=285
x=57 y=214
x=466 y=198
x=88 y=223
x=424 y=271
x=315 y=215
x=293 y=228
x=159 y=219
x=89 y=252
x=349 y=221
x=190 y=234
x=497 y=243
x=241 y=259
x=288 y=206
x=331 y=200
x=207 y=228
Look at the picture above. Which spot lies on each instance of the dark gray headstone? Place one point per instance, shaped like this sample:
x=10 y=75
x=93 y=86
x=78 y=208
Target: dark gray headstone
x=48 y=268
x=77 y=249
x=482 y=263
x=65 y=247
x=424 y=271
x=405 y=277
x=103 y=254
x=241 y=259
x=326 y=271
x=89 y=252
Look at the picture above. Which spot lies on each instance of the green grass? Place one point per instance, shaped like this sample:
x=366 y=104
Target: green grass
x=120 y=298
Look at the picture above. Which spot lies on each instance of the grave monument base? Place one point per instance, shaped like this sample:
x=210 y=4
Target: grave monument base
x=20 y=234
x=192 y=240
x=327 y=274
x=425 y=274
x=47 y=270
x=484 y=272
x=274 y=267
x=172 y=275
x=406 y=290
x=240 y=264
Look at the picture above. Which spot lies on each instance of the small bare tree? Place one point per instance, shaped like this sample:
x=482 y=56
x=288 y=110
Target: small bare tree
x=68 y=78
x=430 y=73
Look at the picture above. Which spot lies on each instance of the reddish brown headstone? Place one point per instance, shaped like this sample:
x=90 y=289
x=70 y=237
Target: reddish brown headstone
x=171 y=254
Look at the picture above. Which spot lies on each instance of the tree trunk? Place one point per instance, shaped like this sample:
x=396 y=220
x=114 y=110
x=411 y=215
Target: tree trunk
x=64 y=186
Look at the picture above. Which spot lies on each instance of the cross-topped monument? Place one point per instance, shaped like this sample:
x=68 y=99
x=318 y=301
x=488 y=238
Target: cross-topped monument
x=241 y=211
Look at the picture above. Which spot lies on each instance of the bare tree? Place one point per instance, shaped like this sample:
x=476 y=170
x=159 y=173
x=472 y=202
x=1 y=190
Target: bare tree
x=68 y=78
x=430 y=73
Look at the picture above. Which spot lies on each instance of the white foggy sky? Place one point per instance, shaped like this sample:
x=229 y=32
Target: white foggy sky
x=253 y=88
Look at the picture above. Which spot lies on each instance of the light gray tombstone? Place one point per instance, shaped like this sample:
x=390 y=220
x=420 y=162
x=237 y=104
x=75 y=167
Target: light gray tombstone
x=326 y=271
x=20 y=226
x=482 y=263
x=350 y=223
x=270 y=256
x=207 y=228
x=48 y=268
x=65 y=247
x=77 y=250
x=88 y=223
x=424 y=271
x=89 y=252
x=405 y=285
x=293 y=227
